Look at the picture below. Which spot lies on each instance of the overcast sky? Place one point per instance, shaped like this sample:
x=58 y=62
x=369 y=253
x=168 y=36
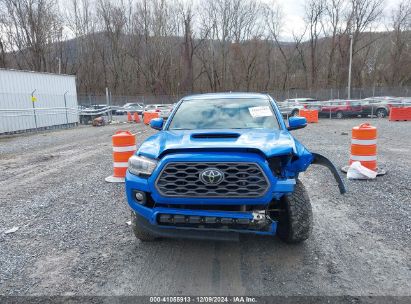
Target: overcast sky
x=293 y=15
x=293 y=11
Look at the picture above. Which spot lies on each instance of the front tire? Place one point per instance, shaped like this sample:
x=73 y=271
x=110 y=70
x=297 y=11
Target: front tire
x=339 y=115
x=139 y=232
x=296 y=219
x=381 y=113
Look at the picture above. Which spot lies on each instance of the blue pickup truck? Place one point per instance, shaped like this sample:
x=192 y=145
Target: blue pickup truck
x=221 y=165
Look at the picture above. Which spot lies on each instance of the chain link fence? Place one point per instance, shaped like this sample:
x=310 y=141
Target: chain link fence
x=22 y=112
x=87 y=100
x=342 y=93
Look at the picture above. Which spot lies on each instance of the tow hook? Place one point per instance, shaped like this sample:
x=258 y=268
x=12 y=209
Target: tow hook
x=323 y=161
x=260 y=218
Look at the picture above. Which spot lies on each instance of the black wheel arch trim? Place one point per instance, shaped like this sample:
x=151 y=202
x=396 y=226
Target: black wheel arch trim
x=323 y=161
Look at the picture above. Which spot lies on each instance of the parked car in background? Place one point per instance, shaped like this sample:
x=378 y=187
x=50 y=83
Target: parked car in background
x=379 y=106
x=103 y=108
x=310 y=103
x=163 y=110
x=116 y=110
x=291 y=107
x=131 y=108
x=406 y=101
x=341 y=108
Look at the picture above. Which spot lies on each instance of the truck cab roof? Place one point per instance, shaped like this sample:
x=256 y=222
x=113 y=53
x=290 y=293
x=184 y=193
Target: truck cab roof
x=228 y=95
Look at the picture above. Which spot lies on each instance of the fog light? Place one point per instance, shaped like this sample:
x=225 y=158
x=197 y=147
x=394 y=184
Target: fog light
x=140 y=197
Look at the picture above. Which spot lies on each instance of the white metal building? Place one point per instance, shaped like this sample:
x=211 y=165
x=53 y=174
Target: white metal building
x=31 y=100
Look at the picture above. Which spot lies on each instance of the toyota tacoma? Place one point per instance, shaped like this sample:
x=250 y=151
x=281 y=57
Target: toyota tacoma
x=221 y=165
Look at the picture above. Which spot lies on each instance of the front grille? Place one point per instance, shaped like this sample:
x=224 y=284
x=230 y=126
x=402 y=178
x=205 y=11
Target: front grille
x=241 y=180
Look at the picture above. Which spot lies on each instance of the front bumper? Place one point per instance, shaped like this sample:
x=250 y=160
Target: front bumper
x=186 y=233
x=220 y=221
x=198 y=232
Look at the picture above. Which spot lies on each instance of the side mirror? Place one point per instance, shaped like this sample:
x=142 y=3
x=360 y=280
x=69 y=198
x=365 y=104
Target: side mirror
x=156 y=123
x=296 y=122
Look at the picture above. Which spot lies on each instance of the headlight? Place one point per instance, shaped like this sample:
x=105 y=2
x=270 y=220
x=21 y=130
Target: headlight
x=140 y=165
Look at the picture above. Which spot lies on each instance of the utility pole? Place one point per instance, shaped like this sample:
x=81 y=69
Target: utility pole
x=349 y=69
x=65 y=107
x=108 y=102
x=353 y=19
x=33 y=99
x=59 y=61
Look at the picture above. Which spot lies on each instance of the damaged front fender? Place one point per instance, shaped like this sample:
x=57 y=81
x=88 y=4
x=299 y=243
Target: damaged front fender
x=321 y=160
x=305 y=158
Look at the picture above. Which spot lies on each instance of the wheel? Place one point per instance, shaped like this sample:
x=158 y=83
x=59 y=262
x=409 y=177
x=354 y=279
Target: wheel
x=295 y=113
x=139 y=232
x=296 y=219
x=339 y=115
x=381 y=113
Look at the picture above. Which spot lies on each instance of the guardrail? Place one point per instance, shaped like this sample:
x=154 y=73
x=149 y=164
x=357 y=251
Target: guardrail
x=92 y=112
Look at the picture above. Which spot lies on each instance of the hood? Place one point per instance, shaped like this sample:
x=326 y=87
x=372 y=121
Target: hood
x=269 y=142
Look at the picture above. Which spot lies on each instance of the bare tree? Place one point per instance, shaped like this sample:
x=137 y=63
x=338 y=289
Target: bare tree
x=274 y=21
x=334 y=12
x=178 y=46
x=3 y=41
x=31 y=27
x=300 y=48
x=156 y=21
x=400 y=50
x=360 y=20
x=314 y=14
x=186 y=16
x=114 y=19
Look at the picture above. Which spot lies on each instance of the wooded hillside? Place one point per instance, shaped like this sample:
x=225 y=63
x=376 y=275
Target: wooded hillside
x=173 y=47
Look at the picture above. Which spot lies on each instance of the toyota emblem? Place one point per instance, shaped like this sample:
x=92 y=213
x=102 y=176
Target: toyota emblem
x=211 y=176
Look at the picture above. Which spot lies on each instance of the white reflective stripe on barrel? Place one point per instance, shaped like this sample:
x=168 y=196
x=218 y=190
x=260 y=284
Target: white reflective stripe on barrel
x=124 y=149
x=120 y=165
x=363 y=158
x=364 y=142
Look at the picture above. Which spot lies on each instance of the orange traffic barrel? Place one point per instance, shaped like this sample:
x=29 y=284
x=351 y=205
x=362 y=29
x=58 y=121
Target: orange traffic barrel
x=136 y=118
x=129 y=117
x=310 y=115
x=149 y=116
x=400 y=114
x=364 y=146
x=124 y=146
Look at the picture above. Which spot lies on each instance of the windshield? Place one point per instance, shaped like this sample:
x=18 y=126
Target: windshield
x=224 y=114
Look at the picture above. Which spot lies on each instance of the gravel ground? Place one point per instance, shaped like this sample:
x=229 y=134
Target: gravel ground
x=73 y=238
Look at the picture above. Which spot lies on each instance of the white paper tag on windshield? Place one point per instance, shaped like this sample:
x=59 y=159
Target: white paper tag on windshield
x=263 y=111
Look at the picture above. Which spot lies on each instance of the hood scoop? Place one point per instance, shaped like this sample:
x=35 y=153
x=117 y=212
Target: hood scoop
x=215 y=135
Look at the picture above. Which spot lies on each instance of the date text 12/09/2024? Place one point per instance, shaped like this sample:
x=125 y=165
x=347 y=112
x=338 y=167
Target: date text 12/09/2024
x=199 y=299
